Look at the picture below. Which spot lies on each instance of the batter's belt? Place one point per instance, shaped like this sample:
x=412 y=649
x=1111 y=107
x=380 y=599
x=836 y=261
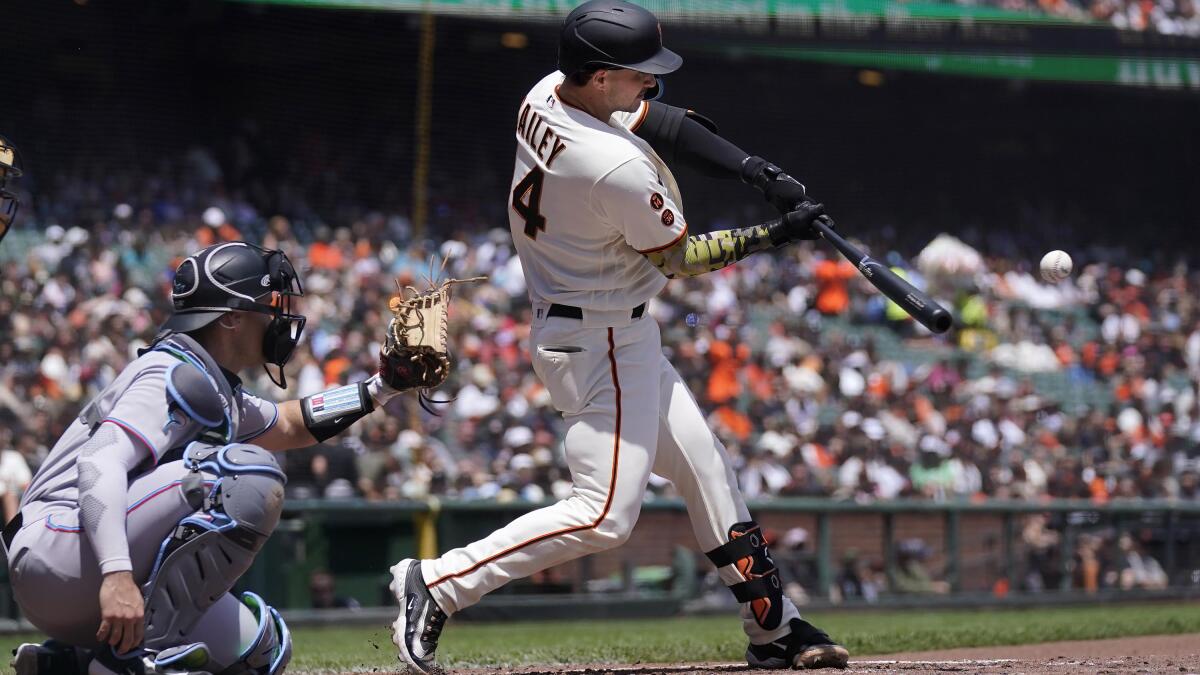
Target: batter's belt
x=570 y=312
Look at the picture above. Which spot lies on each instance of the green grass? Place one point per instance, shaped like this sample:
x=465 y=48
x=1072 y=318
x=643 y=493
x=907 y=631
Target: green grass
x=720 y=638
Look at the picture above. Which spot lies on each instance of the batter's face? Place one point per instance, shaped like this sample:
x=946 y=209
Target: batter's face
x=625 y=89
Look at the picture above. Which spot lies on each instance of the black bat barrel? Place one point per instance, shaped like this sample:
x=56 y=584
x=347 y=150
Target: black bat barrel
x=919 y=305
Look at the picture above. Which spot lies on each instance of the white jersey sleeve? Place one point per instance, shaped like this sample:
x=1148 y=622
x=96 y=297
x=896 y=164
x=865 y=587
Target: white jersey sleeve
x=258 y=415
x=635 y=203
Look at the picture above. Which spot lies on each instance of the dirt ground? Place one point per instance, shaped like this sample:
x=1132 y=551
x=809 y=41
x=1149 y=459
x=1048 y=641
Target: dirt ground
x=1174 y=654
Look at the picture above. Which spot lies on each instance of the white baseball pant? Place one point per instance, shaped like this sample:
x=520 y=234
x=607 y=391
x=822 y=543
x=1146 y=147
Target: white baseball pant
x=628 y=413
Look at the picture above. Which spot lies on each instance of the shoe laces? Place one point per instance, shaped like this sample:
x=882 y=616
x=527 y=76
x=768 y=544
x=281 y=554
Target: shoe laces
x=433 y=627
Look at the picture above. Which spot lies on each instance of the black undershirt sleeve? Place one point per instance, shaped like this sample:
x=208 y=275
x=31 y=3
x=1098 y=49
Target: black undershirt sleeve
x=682 y=137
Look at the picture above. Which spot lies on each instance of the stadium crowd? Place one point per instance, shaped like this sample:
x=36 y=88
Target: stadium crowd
x=817 y=387
x=1169 y=17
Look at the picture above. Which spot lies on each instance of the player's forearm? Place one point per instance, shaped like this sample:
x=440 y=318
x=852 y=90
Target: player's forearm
x=701 y=253
x=104 y=465
x=289 y=431
x=313 y=419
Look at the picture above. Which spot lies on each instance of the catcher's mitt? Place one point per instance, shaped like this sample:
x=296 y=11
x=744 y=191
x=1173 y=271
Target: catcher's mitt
x=414 y=353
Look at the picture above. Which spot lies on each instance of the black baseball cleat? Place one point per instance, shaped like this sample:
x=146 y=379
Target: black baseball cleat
x=415 y=632
x=805 y=647
x=49 y=658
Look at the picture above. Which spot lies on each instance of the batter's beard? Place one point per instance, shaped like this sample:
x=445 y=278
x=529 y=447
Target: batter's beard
x=636 y=105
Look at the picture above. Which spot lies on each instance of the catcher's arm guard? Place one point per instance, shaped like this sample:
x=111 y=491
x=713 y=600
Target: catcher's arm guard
x=414 y=354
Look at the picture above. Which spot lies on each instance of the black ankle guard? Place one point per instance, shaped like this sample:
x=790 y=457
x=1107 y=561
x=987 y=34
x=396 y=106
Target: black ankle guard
x=762 y=589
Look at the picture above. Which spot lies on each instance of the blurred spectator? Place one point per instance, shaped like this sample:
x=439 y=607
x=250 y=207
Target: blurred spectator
x=1042 y=568
x=911 y=575
x=14 y=477
x=832 y=275
x=796 y=563
x=1137 y=569
x=856 y=580
x=321 y=587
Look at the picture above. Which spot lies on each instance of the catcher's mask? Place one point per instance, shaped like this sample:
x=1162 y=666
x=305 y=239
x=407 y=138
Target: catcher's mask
x=9 y=168
x=240 y=276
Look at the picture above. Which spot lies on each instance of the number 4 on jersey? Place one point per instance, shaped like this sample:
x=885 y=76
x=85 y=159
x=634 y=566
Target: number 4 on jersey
x=528 y=207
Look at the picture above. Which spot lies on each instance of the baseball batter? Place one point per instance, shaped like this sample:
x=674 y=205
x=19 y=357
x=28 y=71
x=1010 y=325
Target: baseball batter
x=157 y=498
x=597 y=221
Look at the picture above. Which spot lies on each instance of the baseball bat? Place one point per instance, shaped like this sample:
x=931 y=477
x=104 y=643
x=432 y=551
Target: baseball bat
x=918 y=305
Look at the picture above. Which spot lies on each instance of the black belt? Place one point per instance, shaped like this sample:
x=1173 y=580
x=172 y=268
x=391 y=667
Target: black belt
x=569 y=312
x=11 y=529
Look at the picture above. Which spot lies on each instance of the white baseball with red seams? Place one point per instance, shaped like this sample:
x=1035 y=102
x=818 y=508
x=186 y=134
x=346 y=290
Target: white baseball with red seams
x=588 y=199
x=1056 y=266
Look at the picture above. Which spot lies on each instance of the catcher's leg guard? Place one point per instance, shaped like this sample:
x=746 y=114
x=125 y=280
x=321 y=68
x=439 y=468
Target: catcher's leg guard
x=762 y=588
x=210 y=550
x=268 y=650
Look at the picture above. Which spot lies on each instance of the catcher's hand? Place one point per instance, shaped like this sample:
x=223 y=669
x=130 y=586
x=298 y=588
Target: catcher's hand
x=414 y=354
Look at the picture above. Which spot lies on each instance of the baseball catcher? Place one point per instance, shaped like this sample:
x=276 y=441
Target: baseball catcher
x=157 y=499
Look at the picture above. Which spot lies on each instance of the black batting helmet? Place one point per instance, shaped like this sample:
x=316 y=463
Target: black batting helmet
x=239 y=276
x=616 y=34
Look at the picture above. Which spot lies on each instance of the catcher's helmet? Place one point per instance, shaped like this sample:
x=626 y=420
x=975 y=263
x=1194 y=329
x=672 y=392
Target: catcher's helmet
x=9 y=168
x=239 y=276
x=616 y=34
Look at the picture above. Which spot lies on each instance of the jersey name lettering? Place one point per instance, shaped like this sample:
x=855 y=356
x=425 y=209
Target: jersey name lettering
x=538 y=135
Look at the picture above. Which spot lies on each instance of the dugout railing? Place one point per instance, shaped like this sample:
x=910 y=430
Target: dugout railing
x=982 y=551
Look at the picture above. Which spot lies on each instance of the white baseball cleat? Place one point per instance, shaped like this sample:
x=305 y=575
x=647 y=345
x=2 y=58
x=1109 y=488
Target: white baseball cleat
x=415 y=632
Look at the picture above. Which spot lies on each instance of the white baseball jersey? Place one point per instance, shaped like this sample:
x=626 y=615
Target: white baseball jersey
x=588 y=199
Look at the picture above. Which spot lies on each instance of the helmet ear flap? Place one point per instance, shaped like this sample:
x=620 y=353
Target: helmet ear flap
x=657 y=91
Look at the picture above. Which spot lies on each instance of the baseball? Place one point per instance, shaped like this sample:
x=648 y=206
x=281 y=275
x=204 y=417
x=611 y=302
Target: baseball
x=1056 y=266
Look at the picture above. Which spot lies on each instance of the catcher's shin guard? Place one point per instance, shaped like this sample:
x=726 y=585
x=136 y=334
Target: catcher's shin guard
x=210 y=550
x=762 y=587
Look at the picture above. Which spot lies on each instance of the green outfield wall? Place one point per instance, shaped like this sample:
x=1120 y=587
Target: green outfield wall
x=978 y=549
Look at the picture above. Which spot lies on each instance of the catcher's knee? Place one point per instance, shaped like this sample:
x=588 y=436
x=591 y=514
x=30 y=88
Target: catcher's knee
x=211 y=549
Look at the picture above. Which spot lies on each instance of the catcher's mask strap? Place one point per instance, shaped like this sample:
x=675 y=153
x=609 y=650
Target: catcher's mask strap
x=330 y=412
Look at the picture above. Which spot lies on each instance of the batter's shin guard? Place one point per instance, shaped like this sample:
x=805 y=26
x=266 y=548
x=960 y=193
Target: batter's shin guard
x=762 y=588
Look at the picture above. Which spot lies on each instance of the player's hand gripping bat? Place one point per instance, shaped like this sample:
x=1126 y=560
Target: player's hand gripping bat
x=790 y=196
